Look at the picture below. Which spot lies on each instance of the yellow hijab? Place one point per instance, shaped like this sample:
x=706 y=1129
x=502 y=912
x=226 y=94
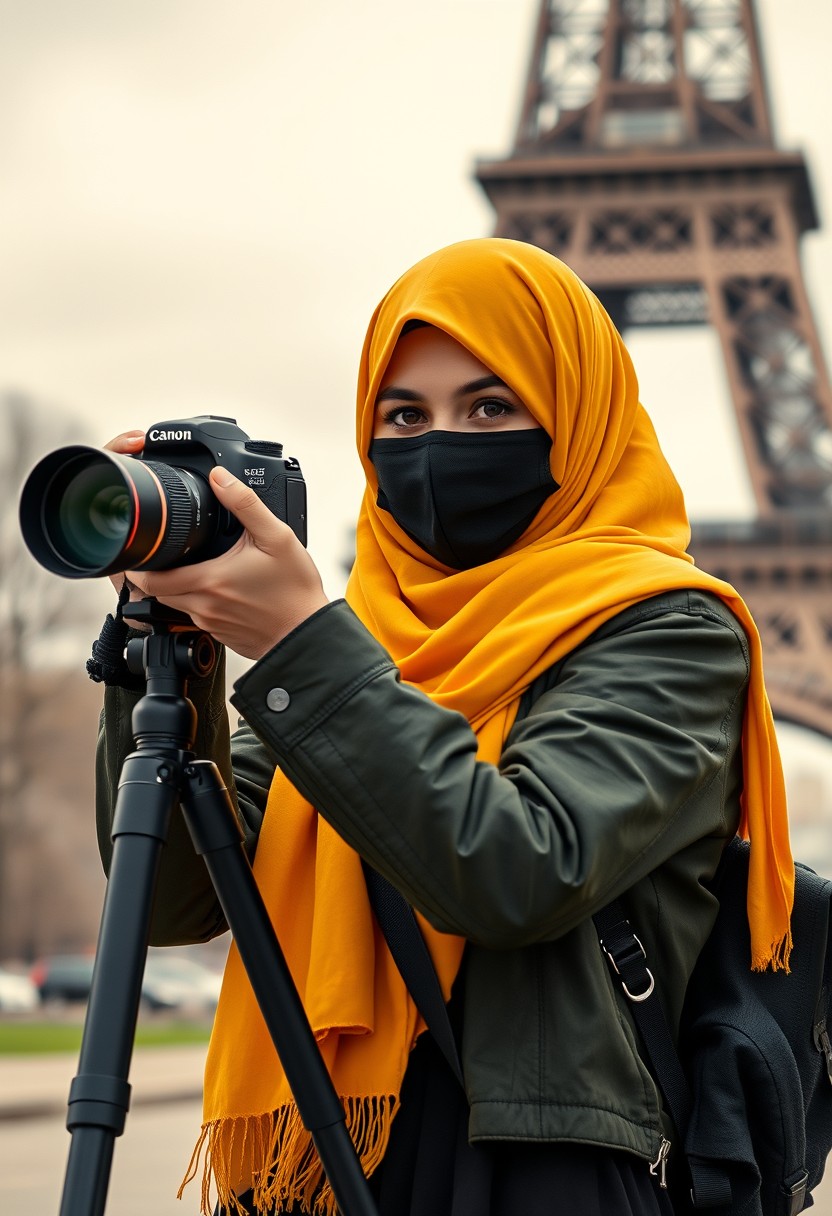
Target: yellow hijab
x=614 y=533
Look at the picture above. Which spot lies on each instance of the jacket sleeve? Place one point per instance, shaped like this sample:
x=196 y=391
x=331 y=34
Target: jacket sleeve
x=186 y=909
x=630 y=755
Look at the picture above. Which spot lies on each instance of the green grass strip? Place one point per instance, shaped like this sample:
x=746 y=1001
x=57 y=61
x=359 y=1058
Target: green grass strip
x=38 y=1038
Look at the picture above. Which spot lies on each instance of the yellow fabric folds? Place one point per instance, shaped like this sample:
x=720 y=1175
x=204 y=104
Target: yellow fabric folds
x=615 y=533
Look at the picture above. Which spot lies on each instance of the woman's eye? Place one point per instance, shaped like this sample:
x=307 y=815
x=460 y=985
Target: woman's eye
x=405 y=415
x=495 y=407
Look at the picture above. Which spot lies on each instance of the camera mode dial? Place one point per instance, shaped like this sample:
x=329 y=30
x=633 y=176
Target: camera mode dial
x=264 y=446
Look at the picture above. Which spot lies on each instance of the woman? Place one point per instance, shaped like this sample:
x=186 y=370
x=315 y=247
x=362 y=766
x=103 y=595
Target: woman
x=531 y=702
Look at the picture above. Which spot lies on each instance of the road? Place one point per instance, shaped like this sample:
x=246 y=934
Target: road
x=149 y=1162
x=150 y=1159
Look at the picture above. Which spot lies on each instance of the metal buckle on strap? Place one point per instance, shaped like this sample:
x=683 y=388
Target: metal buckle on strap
x=641 y=996
x=795 y=1195
x=632 y=996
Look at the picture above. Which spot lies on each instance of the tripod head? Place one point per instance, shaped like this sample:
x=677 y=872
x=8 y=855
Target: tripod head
x=174 y=645
x=173 y=650
x=148 y=611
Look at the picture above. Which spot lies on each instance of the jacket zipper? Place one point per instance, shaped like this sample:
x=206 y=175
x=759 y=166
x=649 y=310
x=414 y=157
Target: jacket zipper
x=821 y=1036
x=659 y=1166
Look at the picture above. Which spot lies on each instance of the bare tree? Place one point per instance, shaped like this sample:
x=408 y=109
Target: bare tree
x=36 y=609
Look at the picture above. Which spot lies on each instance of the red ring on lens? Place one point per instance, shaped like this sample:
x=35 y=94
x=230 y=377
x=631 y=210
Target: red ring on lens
x=161 y=534
x=134 y=492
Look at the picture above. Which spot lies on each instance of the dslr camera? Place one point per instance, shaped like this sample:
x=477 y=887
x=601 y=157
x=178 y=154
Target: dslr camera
x=86 y=512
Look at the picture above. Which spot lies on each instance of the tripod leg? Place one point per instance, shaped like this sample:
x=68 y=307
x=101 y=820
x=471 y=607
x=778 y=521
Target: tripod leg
x=99 y=1094
x=216 y=834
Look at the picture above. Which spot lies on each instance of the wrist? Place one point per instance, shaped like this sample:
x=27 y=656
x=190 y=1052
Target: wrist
x=288 y=624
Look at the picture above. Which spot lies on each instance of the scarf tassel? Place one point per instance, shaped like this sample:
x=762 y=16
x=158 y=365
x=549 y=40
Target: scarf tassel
x=776 y=957
x=278 y=1152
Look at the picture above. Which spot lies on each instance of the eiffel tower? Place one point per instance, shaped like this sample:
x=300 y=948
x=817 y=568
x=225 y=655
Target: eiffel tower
x=644 y=158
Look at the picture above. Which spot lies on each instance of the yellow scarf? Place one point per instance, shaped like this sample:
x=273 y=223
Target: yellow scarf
x=614 y=533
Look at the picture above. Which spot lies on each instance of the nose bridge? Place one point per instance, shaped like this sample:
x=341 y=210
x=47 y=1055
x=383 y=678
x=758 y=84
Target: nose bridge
x=447 y=413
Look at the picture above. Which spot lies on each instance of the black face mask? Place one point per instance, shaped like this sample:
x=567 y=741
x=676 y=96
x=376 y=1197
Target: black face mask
x=464 y=498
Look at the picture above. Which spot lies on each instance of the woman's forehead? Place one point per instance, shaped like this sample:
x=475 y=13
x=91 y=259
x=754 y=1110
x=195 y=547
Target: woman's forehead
x=428 y=353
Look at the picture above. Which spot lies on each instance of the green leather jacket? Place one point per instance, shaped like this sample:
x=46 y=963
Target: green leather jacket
x=621 y=774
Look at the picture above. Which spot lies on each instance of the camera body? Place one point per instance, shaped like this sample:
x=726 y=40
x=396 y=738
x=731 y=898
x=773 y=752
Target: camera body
x=85 y=512
x=196 y=445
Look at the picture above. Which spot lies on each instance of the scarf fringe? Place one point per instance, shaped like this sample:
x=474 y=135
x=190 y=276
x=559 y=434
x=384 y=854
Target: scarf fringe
x=776 y=957
x=278 y=1152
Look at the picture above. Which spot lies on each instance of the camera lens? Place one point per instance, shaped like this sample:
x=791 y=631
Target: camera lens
x=84 y=512
x=94 y=517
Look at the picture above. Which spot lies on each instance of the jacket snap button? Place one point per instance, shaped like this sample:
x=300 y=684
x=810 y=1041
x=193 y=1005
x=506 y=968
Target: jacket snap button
x=278 y=699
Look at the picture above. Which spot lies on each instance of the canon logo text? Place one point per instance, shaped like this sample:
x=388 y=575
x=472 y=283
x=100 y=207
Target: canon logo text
x=156 y=435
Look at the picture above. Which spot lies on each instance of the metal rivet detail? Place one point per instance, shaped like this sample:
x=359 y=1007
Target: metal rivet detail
x=278 y=699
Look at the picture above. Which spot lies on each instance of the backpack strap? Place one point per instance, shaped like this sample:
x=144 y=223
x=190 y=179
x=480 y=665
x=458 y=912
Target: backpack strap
x=411 y=956
x=628 y=959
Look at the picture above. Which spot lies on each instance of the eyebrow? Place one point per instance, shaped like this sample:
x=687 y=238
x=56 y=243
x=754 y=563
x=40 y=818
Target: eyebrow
x=392 y=393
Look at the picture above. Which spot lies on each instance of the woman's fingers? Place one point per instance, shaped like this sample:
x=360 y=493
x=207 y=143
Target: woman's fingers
x=128 y=443
x=267 y=532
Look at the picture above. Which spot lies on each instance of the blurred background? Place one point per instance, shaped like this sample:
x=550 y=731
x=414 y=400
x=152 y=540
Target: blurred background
x=201 y=204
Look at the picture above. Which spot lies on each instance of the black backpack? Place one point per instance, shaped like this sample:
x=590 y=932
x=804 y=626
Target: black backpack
x=753 y=1101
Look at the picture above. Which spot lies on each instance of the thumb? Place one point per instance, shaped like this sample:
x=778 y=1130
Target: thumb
x=242 y=502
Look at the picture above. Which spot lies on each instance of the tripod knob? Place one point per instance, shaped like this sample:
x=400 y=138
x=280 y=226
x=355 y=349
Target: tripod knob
x=196 y=652
x=188 y=653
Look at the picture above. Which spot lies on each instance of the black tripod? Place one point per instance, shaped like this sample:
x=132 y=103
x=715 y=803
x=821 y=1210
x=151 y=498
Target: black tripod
x=159 y=775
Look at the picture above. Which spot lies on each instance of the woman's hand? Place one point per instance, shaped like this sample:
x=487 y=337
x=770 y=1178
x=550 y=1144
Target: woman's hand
x=251 y=597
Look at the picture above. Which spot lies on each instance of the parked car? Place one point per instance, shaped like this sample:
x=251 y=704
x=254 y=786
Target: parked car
x=17 y=993
x=171 y=981
x=63 y=977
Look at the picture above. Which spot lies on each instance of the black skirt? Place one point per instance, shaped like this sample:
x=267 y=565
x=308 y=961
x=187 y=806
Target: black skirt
x=430 y=1169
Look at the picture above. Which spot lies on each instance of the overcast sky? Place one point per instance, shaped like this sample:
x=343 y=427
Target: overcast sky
x=201 y=202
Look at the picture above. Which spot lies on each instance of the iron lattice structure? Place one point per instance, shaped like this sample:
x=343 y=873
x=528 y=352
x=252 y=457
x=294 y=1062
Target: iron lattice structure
x=645 y=159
